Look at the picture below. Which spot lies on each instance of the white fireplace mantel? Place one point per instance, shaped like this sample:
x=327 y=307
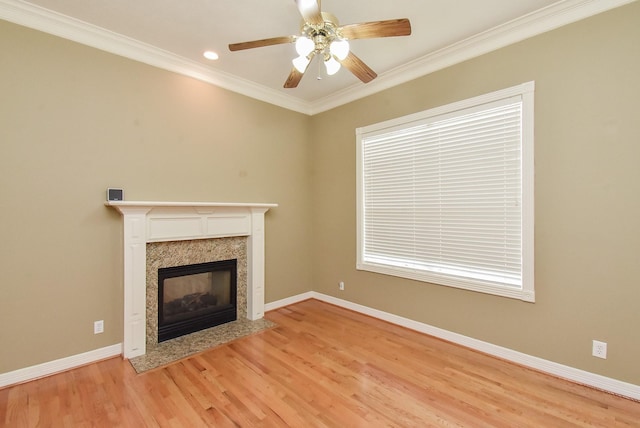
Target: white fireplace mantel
x=176 y=221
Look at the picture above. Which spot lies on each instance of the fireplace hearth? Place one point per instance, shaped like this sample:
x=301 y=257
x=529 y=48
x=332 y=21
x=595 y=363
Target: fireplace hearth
x=196 y=297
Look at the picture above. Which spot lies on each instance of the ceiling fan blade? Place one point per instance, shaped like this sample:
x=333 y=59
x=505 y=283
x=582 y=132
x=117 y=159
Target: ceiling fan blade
x=261 y=43
x=310 y=11
x=358 y=68
x=294 y=78
x=369 y=30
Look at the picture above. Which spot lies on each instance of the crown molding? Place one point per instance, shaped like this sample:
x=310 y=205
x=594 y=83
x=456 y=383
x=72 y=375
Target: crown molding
x=546 y=19
x=554 y=16
x=50 y=22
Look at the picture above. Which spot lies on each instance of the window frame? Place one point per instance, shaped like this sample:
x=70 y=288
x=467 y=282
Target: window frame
x=526 y=292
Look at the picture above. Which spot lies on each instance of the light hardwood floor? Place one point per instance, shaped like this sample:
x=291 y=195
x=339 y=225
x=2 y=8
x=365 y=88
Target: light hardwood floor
x=323 y=366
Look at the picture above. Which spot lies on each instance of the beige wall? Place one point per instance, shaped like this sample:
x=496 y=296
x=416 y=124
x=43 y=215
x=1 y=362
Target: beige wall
x=587 y=198
x=76 y=118
x=74 y=121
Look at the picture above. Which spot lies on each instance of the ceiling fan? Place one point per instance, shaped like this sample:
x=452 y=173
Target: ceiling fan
x=322 y=36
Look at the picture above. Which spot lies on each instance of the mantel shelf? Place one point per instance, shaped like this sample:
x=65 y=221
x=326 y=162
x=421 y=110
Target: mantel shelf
x=154 y=204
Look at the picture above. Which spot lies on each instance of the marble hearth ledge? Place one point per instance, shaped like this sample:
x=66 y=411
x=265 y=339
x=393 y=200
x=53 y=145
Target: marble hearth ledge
x=153 y=221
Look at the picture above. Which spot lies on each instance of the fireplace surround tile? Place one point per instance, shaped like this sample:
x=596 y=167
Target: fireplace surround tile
x=180 y=253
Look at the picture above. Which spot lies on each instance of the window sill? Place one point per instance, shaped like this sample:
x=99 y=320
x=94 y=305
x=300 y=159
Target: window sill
x=451 y=281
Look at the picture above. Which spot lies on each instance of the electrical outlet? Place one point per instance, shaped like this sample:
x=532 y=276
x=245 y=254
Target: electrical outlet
x=599 y=349
x=341 y=285
x=98 y=327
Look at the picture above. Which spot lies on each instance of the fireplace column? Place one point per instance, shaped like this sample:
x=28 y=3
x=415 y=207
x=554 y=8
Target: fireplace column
x=175 y=221
x=135 y=282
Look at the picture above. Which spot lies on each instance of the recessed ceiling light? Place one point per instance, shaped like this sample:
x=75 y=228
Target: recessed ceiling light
x=210 y=55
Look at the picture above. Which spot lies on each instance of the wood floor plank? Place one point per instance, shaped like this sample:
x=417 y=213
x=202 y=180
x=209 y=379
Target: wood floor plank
x=322 y=366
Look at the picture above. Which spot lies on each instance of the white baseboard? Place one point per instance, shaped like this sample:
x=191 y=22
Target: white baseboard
x=570 y=373
x=290 y=301
x=45 y=369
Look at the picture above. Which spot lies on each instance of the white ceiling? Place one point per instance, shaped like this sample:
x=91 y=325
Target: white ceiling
x=173 y=34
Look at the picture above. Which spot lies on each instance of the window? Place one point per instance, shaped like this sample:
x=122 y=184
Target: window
x=446 y=195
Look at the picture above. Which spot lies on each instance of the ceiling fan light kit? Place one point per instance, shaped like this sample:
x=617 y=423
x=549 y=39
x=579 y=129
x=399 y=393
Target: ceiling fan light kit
x=339 y=49
x=322 y=36
x=304 y=46
x=321 y=40
x=332 y=66
x=301 y=63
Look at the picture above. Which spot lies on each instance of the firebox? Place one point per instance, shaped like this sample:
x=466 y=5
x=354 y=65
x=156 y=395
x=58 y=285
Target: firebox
x=195 y=297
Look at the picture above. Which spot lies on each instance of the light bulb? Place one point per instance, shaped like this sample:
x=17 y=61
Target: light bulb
x=301 y=63
x=304 y=46
x=332 y=66
x=339 y=48
x=210 y=55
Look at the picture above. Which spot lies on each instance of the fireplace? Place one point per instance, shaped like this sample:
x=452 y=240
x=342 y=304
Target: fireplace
x=195 y=297
x=154 y=223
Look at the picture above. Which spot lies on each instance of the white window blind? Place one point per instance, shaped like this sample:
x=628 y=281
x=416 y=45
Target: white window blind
x=441 y=198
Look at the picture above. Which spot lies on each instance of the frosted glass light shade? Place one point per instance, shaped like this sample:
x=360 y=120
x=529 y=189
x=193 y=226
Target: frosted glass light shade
x=339 y=48
x=301 y=63
x=304 y=46
x=332 y=66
